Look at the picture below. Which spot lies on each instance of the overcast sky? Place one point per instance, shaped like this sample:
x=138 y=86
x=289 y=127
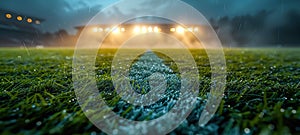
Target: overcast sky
x=66 y=14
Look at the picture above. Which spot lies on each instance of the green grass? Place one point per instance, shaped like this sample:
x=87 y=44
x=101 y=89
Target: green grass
x=262 y=93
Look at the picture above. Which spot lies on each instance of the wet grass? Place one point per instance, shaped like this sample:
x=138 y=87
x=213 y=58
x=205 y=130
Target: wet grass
x=262 y=92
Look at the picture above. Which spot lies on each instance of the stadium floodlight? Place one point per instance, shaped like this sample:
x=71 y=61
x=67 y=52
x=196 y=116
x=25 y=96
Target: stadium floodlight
x=95 y=29
x=144 y=29
x=137 y=29
x=8 y=16
x=116 y=30
x=37 y=22
x=19 y=18
x=172 y=29
x=100 y=29
x=180 y=30
x=196 y=29
x=29 y=20
x=156 y=29
x=123 y=29
x=150 y=29
x=107 y=29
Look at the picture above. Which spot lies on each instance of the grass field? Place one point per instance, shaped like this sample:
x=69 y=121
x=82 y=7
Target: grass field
x=262 y=93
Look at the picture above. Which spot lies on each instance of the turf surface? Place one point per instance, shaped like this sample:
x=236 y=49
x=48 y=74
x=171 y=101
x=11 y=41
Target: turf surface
x=262 y=93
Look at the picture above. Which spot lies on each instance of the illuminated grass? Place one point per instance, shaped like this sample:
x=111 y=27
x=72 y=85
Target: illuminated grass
x=262 y=92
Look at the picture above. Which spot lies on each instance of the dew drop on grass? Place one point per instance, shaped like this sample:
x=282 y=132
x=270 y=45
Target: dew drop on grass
x=261 y=114
x=247 y=130
x=71 y=119
x=68 y=58
x=33 y=106
x=271 y=126
x=82 y=67
x=15 y=110
x=93 y=133
x=281 y=110
x=294 y=111
x=38 y=123
x=27 y=121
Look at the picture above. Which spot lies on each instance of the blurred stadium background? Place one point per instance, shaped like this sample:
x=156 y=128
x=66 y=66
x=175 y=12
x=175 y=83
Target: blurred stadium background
x=267 y=24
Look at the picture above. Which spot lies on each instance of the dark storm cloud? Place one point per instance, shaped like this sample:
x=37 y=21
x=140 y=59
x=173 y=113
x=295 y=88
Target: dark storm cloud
x=238 y=21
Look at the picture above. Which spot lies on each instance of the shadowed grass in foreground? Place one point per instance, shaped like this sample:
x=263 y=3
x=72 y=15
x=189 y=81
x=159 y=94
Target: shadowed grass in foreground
x=262 y=93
